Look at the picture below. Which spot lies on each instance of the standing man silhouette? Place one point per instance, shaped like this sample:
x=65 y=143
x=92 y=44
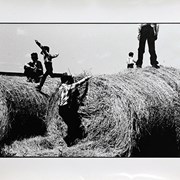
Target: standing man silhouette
x=149 y=32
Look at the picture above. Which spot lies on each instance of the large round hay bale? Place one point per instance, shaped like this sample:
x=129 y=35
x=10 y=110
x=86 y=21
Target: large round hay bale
x=22 y=108
x=133 y=113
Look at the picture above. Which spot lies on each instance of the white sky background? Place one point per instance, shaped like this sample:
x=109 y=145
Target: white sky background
x=96 y=48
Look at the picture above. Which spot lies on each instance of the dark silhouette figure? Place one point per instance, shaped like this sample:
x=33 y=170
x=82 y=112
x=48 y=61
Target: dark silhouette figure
x=34 y=69
x=130 y=60
x=69 y=103
x=149 y=32
x=47 y=62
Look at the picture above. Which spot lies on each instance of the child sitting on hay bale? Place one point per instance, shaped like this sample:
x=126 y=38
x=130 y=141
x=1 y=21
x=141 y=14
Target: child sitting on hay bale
x=47 y=62
x=69 y=103
x=34 y=69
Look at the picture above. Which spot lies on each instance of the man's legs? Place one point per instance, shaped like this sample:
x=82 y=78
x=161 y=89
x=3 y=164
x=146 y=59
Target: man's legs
x=153 y=56
x=141 y=50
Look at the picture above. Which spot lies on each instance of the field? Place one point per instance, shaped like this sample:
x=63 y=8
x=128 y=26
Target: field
x=135 y=113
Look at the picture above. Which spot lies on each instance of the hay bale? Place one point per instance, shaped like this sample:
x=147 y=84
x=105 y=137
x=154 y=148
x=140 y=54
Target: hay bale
x=39 y=146
x=22 y=108
x=134 y=113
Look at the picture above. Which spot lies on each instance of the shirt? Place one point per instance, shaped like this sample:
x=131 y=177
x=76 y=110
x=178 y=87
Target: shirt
x=48 y=57
x=130 y=60
x=35 y=65
x=66 y=90
x=64 y=94
x=153 y=25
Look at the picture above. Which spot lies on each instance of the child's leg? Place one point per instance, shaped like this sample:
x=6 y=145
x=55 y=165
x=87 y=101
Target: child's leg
x=28 y=72
x=48 y=66
x=43 y=79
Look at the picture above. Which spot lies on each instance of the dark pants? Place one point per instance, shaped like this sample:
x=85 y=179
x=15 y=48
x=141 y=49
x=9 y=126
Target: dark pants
x=147 y=33
x=31 y=74
x=130 y=65
x=49 y=71
x=73 y=121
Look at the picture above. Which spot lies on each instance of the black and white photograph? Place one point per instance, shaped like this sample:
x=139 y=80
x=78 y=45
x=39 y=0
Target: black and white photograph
x=89 y=89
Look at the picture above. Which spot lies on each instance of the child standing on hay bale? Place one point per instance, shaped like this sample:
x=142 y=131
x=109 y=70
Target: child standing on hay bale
x=149 y=32
x=130 y=60
x=68 y=108
x=33 y=70
x=47 y=62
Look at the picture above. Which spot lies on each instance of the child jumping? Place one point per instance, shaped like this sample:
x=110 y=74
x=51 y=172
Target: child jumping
x=47 y=62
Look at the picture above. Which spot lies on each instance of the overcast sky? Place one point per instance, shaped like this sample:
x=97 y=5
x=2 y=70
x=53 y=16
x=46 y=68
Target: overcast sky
x=96 y=48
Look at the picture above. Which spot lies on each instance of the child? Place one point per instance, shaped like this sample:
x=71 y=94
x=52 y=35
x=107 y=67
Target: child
x=68 y=108
x=33 y=70
x=130 y=60
x=47 y=62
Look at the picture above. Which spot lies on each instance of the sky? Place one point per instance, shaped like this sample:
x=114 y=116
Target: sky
x=96 y=48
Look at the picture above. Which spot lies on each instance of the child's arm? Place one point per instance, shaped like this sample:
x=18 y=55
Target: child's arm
x=39 y=66
x=29 y=65
x=54 y=56
x=74 y=85
x=45 y=52
x=134 y=61
x=39 y=44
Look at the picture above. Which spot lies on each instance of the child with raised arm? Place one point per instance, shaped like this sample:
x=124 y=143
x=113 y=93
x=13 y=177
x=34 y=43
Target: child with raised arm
x=69 y=104
x=47 y=62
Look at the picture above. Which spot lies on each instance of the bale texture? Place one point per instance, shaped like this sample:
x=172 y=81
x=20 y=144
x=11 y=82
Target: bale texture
x=22 y=108
x=133 y=113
